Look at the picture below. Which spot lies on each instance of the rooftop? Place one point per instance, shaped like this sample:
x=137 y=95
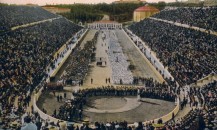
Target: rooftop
x=146 y=8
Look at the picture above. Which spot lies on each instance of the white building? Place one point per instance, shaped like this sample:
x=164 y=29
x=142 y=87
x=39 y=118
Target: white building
x=105 y=24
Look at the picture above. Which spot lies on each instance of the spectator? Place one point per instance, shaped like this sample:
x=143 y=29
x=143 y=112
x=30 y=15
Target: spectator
x=29 y=125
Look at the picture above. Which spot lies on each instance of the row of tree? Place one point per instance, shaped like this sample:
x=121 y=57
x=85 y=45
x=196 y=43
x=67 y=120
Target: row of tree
x=94 y=12
x=121 y=12
x=3 y=4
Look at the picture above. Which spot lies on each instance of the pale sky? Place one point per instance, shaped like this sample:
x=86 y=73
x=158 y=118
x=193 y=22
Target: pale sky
x=44 y=2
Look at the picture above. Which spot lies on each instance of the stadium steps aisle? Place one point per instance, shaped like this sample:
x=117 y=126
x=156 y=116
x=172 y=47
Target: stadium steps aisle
x=186 y=109
x=183 y=112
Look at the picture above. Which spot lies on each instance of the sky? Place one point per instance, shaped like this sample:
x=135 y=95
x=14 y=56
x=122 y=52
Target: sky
x=44 y=2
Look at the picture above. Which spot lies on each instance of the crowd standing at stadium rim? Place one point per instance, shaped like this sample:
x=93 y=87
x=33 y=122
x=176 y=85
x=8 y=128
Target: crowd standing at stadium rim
x=26 y=52
x=202 y=17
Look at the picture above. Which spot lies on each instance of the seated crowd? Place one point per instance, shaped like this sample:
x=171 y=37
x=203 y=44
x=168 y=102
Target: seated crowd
x=209 y=92
x=11 y=16
x=196 y=119
x=31 y=121
x=203 y=117
x=78 y=66
x=25 y=55
x=203 y=17
x=188 y=54
x=192 y=121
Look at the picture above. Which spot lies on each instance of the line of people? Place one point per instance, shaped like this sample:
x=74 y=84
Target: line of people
x=72 y=110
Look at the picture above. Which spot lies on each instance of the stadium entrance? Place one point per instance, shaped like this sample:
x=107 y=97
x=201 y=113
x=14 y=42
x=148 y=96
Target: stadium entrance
x=105 y=24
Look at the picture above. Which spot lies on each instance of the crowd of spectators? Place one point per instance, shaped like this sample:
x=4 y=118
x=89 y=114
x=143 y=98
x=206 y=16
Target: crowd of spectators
x=11 y=16
x=197 y=119
x=30 y=121
x=203 y=17
x=205 y=117
x=209 y=93
x=188 y=54
x=151 y=83
x=26 y=53
x=192 y=121
x=72 y=109
x=78 y=66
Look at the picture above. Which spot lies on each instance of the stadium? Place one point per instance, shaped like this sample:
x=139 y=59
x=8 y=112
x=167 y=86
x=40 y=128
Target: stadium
x=124 y=65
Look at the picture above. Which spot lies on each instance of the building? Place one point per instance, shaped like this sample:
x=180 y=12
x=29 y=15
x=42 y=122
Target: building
x=105 y=24
x=210 y=2
x=144 y=12
x=56 y=9
x=129 y=1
